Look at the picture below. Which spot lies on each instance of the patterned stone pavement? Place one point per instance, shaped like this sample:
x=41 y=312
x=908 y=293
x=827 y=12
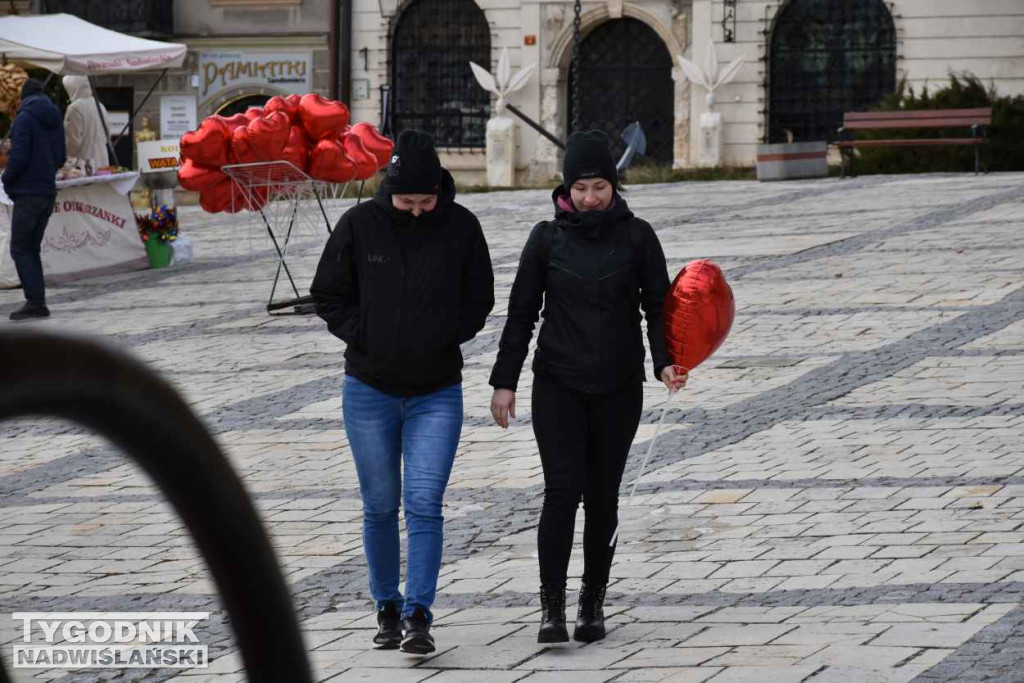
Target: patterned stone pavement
x=837 y=496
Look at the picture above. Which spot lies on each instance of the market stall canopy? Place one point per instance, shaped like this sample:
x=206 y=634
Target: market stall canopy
x=65 y=44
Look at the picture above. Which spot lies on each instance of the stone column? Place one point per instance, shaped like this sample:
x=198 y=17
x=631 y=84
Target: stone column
x=681 y=123
x=680 y=12
x=550 y=118
x=701 y=33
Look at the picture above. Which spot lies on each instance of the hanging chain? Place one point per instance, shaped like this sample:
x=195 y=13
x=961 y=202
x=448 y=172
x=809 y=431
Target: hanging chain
x=575 y=66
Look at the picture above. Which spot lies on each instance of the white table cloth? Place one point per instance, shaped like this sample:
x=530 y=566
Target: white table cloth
x=91 y=232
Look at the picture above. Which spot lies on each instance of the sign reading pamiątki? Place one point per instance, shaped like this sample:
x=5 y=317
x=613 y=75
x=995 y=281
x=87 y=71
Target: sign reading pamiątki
x=109 y=640
x=290 y=72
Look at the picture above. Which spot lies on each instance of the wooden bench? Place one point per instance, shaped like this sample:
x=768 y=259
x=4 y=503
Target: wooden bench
x=977 y=120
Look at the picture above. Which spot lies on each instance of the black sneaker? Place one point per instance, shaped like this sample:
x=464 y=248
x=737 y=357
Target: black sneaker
x=418 y=640
x=30 y=311
x=389 y=627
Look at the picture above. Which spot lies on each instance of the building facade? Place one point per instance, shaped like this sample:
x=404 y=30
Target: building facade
x=404 y=63
x=808 y=61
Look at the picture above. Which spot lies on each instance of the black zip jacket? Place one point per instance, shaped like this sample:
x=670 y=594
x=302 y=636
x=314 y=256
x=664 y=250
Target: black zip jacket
x=593 y=271
x=404 y=292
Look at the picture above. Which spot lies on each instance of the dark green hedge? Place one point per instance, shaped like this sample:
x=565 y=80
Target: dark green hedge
x=1005 y=151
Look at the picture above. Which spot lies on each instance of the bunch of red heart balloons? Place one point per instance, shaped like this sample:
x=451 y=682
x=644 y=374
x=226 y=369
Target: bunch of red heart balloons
x=309 y=131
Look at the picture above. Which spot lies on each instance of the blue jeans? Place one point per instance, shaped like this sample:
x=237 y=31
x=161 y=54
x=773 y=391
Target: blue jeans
x=385 y=433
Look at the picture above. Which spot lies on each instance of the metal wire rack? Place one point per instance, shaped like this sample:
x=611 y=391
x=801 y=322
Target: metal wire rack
x=280 y=196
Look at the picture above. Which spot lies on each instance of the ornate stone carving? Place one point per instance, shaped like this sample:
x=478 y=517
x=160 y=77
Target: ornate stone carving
x=681 y=124
x=680 y=13
x=554 y=20
x=546 y=151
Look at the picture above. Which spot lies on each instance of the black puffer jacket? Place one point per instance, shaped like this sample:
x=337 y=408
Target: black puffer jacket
x=593 y=271
x=403 y=293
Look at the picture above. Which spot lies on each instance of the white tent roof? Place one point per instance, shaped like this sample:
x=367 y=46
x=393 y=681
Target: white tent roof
x=65 y=44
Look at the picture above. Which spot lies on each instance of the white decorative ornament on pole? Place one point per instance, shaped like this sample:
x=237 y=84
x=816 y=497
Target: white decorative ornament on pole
x=501 y=148
x=710 y=78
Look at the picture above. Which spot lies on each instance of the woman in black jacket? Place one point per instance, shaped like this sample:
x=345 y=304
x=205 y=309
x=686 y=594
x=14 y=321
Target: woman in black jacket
x=593 y=267
x=403 y=281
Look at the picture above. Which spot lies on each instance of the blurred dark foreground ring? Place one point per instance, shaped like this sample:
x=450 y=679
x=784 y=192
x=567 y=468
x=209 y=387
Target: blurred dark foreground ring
x=103 y=388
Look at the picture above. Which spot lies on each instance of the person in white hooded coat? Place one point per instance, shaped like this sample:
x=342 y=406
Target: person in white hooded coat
x=86 y=132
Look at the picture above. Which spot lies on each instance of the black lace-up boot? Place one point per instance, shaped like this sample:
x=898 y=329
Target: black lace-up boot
x=552 y=615
x=590 y=617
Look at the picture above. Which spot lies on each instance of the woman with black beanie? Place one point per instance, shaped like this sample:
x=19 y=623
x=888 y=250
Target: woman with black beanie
x=593 y=268
x=404 y=280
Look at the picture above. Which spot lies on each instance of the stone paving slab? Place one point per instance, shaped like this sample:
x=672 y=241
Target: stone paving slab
x=838 y=496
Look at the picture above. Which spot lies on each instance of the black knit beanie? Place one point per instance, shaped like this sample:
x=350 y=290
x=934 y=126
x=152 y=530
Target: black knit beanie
x=31 y=86
x=588 y=155
x=414 y=167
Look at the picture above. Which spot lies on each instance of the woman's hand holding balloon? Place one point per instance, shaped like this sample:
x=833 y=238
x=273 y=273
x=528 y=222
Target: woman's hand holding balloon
x=672 y=379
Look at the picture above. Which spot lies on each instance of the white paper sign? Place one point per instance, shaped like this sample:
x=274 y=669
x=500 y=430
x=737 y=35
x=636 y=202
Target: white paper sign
x=159 y=155
x=116 y=121
x=177 y=115
x=290 y=72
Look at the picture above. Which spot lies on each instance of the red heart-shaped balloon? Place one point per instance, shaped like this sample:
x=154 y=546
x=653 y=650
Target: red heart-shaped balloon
x=197 y=178
x=328 y=162
x=288 y=105
x=375 y=143
x=322 y=117
x=297 y=149
x=253 y=113
x=235 y=121
x=268 y=135
x=242 y=151
x=208 y=145
x=366 y=163
x=699 y=311
x=217 y=197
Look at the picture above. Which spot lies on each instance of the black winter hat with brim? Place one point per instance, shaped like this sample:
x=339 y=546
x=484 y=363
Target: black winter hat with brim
x=414 y=167
x=588 y=155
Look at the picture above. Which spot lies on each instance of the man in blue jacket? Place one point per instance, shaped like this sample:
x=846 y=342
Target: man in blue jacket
x=37 y=152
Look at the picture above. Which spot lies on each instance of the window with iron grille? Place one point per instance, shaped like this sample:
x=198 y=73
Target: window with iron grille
x=434 y=90
x=625 y=76
x=827 y=57
x=139 y=17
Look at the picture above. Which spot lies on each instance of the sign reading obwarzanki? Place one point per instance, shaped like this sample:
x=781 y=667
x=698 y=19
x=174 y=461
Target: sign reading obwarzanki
x=98 y=212
x=290 y=72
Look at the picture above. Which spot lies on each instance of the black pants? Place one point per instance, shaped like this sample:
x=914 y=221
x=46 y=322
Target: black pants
x=28 y=223
x=584 y=441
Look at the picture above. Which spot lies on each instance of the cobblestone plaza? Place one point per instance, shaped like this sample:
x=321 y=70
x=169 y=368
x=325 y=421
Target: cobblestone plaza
x=837 y=496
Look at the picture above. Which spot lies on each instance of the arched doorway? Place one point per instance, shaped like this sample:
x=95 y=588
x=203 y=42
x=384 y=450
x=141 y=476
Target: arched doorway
x=626 y=75
x=240 y=104
x=433 y=87
x=827 y=57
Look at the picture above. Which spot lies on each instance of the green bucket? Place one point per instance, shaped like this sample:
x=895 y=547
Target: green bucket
x=159 y=252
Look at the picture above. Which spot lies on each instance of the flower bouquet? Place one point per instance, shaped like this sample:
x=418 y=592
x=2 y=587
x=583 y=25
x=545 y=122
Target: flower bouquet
x=158 y=230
